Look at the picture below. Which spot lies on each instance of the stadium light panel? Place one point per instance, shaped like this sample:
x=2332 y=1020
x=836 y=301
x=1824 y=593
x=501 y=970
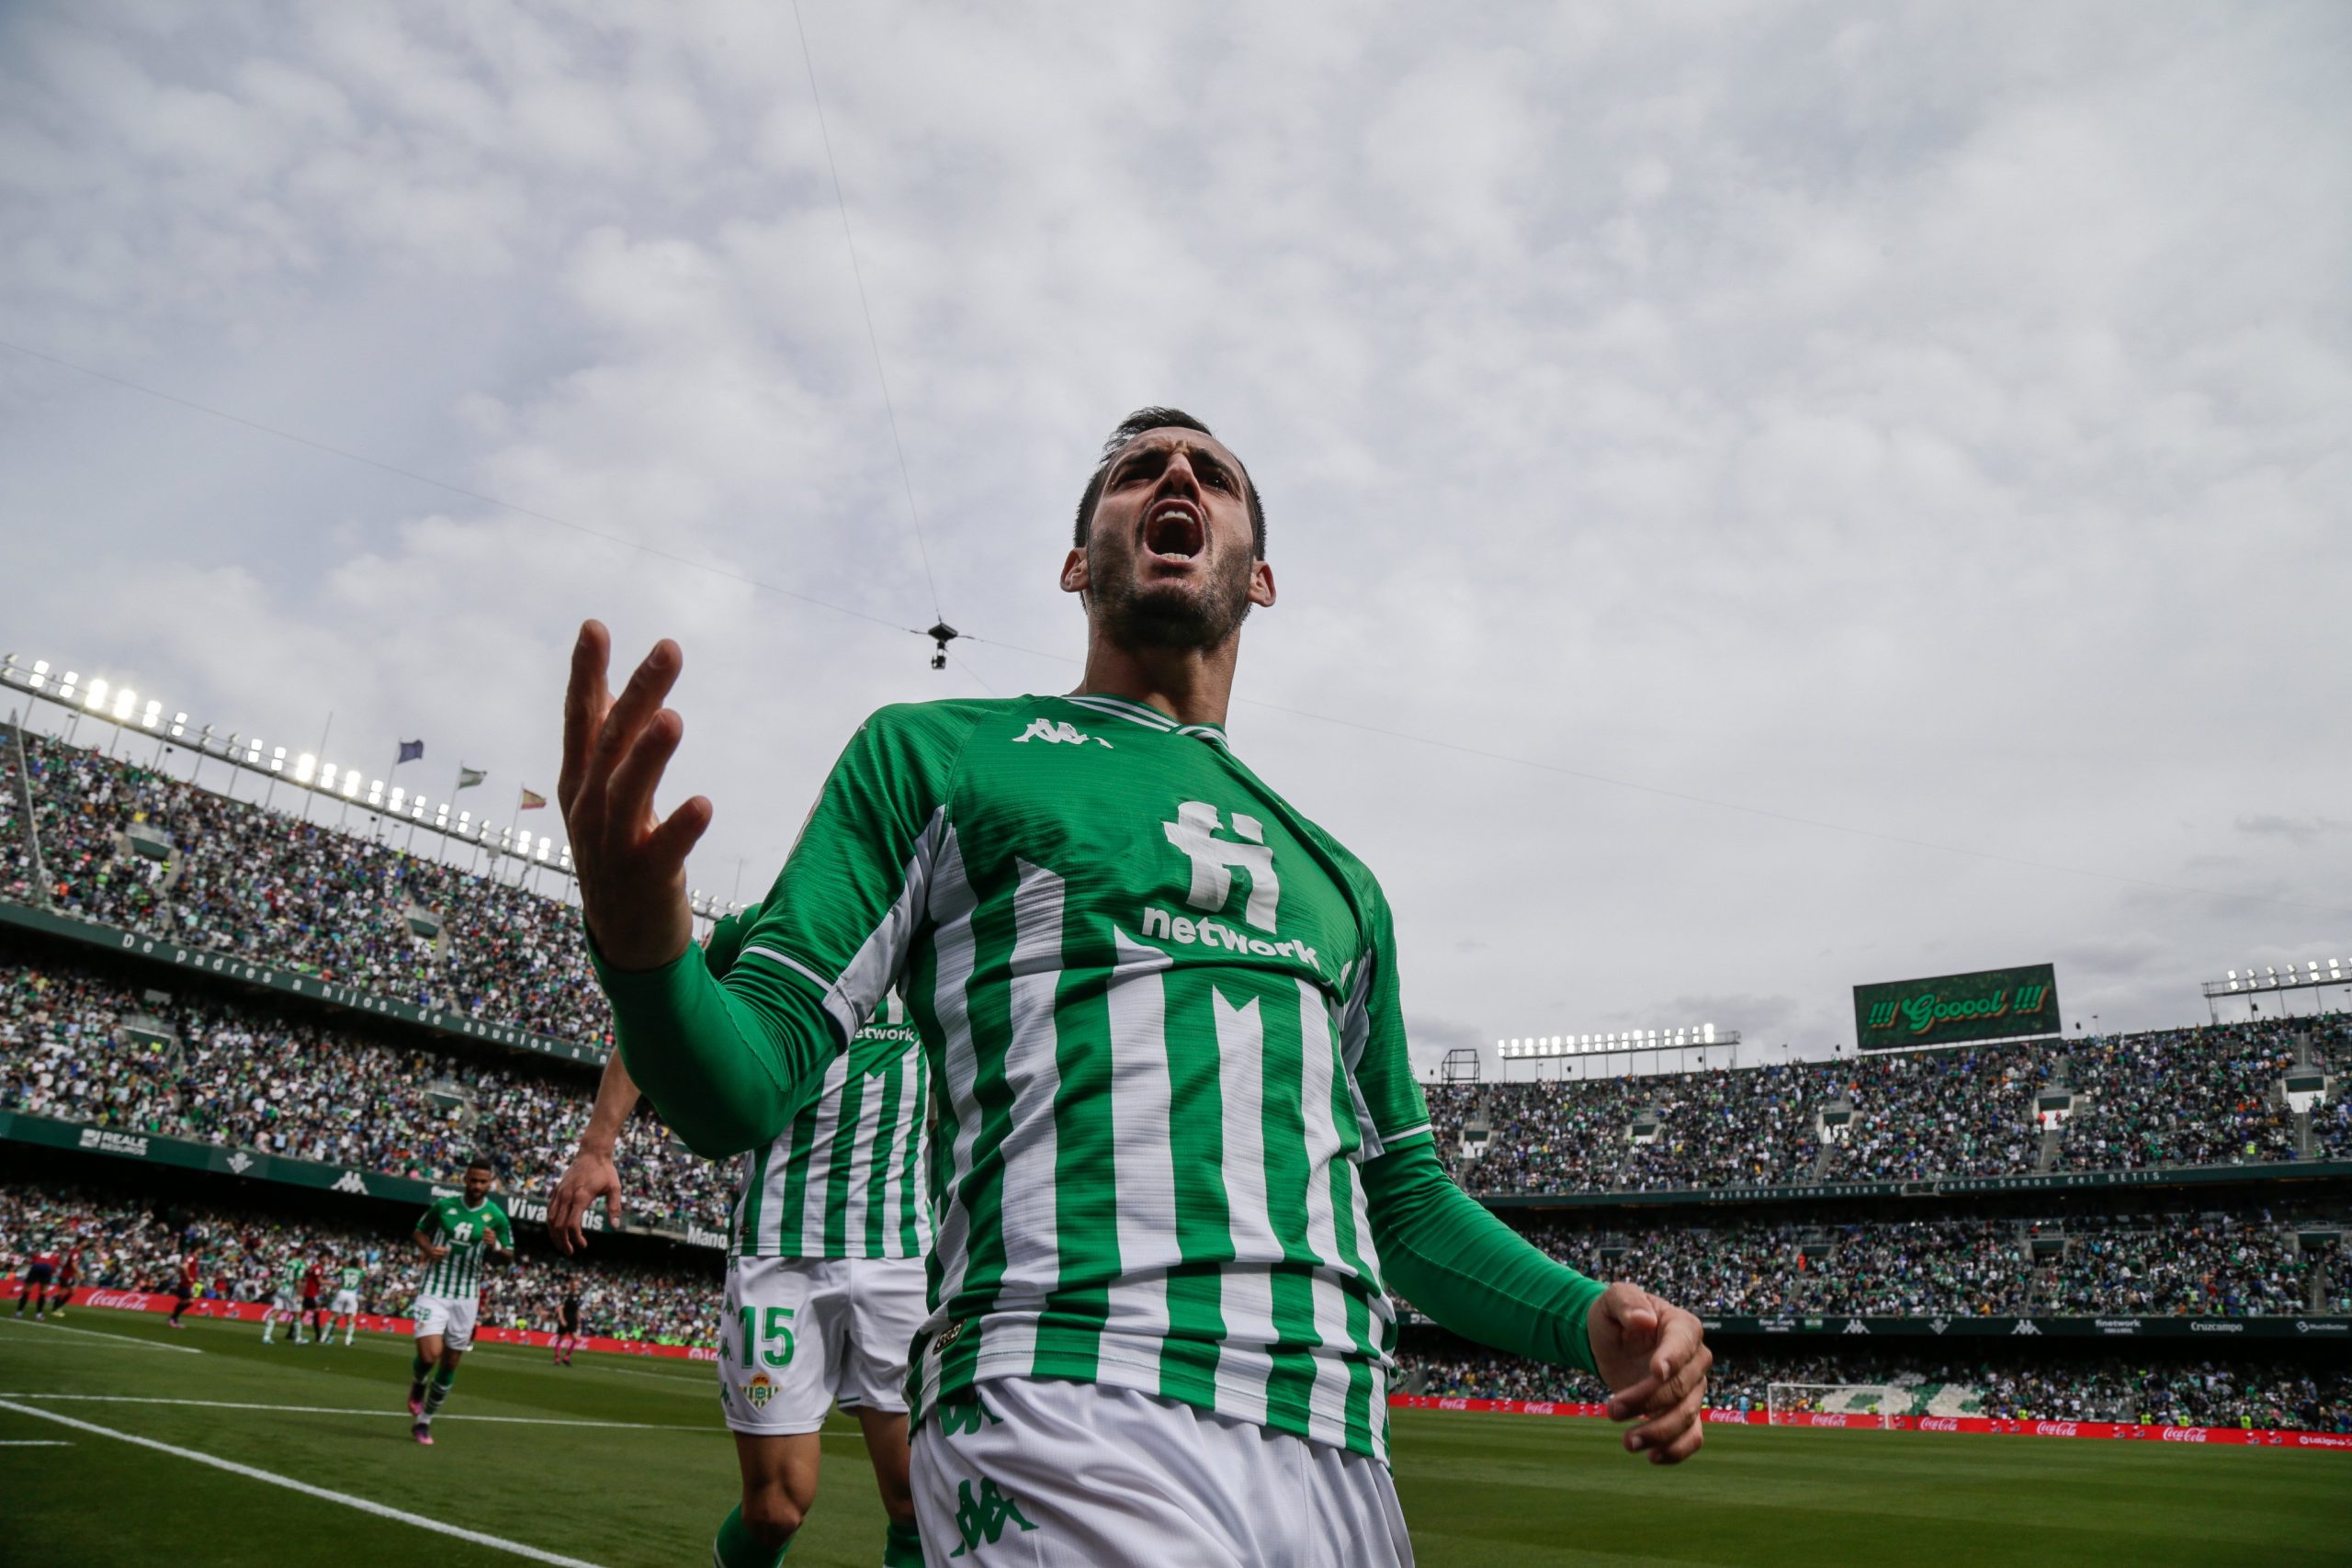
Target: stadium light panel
x=125 y=703
x=40 y=673
x=351 y=785
x=398 y=798
x=95 y=697
x=179 y=726
x=151 y=717
x=277 y=760
x=375 y=792
x=65 y=690
x=326 y=774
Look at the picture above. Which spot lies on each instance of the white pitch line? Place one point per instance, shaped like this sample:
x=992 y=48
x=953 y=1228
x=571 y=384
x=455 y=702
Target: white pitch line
x=348 y=1410
x=34 y=1443
x=112 y=1339
x=402 y=1516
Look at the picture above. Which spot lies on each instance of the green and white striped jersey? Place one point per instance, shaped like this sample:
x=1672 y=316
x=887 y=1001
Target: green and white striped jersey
x=1161 y=1012
x=465 y=1230
x=849 y=1178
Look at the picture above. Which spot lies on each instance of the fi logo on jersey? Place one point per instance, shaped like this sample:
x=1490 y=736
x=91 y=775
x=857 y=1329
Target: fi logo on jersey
x=1214 y=860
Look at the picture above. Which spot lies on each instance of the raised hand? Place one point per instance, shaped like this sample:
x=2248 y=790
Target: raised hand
x=1655 y=1359
x=631 y=863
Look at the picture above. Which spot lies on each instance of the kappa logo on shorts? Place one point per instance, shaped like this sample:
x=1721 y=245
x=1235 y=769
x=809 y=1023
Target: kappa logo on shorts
x=758 y=1391
x=983 y=1517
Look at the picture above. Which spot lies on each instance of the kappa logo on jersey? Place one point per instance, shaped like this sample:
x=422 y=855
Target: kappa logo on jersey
x=1057 y=732
x=1215 y=860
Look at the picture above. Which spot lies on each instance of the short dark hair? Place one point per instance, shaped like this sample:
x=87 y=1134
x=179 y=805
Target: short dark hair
x=481 y=1162
x=1126 y=430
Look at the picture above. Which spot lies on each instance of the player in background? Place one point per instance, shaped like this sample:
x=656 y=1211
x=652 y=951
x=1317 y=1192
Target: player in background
x=348 y=1277
x=1182 y=1153
x=455 y=1236
x=41 y=1270
x=69 y=1274
x=314 y=1286
x=191 y=1285
x=566 y=1325
x=286 y=1301
x=825 y=1285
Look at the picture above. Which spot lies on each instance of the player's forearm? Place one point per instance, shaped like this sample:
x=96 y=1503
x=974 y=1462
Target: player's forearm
x=1444 y=1253
x=617 y=1096
x=726 y=1064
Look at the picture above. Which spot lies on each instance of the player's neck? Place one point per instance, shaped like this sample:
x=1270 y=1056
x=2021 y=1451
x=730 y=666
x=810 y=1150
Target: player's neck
x=1191 y=686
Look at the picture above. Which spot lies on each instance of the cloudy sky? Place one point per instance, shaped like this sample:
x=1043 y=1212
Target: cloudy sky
x=1764 y=497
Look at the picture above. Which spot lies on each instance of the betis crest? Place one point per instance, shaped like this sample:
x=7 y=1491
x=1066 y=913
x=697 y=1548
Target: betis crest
x=758 y=1391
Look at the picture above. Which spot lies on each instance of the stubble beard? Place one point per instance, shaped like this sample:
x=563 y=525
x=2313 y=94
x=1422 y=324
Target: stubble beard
x=1177 y=617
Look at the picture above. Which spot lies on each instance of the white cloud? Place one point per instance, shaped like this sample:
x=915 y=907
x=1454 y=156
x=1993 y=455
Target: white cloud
x=1916 y=421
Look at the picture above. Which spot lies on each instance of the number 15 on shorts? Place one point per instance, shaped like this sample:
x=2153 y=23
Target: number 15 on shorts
x=768 y=1337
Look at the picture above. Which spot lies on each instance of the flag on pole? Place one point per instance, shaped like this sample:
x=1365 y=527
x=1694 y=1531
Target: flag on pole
x=410 y=751
x=469 y=777
x=532 y=800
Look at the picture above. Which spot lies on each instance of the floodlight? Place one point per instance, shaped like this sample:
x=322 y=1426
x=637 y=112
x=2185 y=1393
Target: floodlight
x=566 y=854
x=441 y=817
x=179 y=726
x=545 y=844
x=126 y=702
x=276 y=760
x=375 y=792
x=65 y=692
x=399 y=795
x=40 y=673
x=306 y=768
x=351 y=785
x=96 y=696
x=326 y=775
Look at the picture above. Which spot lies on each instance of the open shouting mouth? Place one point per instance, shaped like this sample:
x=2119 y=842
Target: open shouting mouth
x=1175 y=530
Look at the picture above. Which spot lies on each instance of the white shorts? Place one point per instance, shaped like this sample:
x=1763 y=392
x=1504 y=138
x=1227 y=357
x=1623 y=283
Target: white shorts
x=286 y=1301
x=1057 y=1474
x=452 y=1317
x=820 y=1330
x=346 y=1304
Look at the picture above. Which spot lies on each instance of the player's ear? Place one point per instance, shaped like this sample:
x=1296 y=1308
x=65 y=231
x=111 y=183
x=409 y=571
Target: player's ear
x=1262 y=584
x=1074 y=571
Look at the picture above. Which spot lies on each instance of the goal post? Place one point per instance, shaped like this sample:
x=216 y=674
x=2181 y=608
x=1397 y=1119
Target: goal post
x=1795 y=1404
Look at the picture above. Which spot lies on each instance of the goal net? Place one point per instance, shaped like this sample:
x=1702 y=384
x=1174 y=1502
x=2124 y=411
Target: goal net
x=1839 y=1403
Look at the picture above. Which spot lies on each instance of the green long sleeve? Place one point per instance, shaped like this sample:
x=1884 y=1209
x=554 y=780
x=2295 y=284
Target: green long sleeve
x=727 y=1062
x=1444 y=1253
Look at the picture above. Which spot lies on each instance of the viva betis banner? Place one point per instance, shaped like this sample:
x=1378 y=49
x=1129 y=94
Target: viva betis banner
x=2257 y=1436
x=293 y=982
x=369 y=1322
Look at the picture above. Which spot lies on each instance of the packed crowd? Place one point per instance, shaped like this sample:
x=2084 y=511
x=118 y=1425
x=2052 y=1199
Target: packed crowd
x=2200 y=1096
x=2204 y=1266
x=2186 y=1392
x=267 y=884
x=131 y=1246
x=254 y=1076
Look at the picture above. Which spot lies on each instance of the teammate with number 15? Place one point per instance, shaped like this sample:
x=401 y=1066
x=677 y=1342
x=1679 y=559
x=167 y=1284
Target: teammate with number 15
x=825 y=1281
x=1182 y=1157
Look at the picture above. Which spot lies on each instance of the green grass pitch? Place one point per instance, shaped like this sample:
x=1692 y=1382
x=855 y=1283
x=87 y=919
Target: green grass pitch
x=617 y=1461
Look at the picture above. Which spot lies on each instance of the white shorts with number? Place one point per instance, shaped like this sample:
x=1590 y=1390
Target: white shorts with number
x=818 y=1330
x=1052 y=1475
x=347 y=1304
x=452 y=1317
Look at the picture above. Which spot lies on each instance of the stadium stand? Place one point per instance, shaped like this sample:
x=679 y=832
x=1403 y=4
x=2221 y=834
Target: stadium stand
x=136 y=1245
x=113 y=1043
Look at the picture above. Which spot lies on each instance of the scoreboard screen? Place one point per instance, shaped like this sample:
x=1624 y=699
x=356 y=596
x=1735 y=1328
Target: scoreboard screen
x=1947 y=1009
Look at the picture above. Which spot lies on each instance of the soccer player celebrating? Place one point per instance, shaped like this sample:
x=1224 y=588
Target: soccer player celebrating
x=348 y=1280
x=825 y=1285
x=1181 y=1149
x=286 y=1301
x=455 y=1235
